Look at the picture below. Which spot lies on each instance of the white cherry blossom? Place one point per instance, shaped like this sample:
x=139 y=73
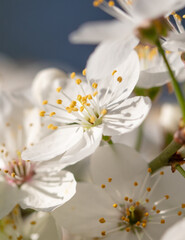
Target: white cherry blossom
x=86 y=109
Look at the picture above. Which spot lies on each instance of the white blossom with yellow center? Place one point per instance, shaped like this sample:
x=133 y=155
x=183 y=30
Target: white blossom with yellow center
x=86 y=109
x=117 y=35
x=32 y=185
x=124 y=201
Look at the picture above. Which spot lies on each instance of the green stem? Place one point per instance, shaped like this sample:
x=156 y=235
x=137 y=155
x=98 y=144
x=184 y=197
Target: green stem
x=107 y=139
x=139 y=138
x=178 y=92
x=162 y=160
x=181 y=170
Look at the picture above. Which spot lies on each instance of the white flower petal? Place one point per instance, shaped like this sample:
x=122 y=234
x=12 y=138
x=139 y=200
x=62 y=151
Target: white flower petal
x=80 y=215
x=48 y=192
x=97 y=31
x=126 y=115
x=53 y=145
x=107 y=56
x=175 y=232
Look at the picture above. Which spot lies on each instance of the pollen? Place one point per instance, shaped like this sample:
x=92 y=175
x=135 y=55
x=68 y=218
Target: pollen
x=162 y=221
x=104 y=111
x=119 y=79
x=114 y=72
x=115 y=205
x=59 y=101
x=111 y=3
x=102 y=220
x=52 y=114
x=78 y=81
x=84 y=72
x=45 y=102
x=59 y=89
x=42 y=113
x=73 y=74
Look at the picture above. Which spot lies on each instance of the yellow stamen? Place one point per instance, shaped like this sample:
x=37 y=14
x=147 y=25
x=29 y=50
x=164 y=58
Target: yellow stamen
x=89 y=96
x=102 y=220
x=50 y=126
x=42 y=113
x=103 y=233
x=127 y=229
x=109 y=179
x=95 y=93
x=111 y=3
x=179 y=213
x=52 y=114
x=73 y=74
x=33 y=222
x=59 y=101
x=149 y=170
x=135 y=184
x=167 y=196
x=103 y=186
x=59 y=89
x=114 y=72
x=78 y=81
x=119 y=79
x=44 y=102
x=79 y=97
x=178 y=17
x=126 y=198
x=81 y=108
x=84 y=72
x=13 y=174
x=54 y=127
x=146 y=214
x=162 y=173
x=73 y=104
x=92 y=119
x=104 y=111
x=94 y=85
x=115 y=205
x=147 y=200
x=162 y=221
x=148 y=189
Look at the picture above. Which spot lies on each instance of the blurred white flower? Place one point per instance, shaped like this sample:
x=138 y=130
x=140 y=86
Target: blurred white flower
x=125 y=201
x=38 y=226
x=175 y=232
x=32 y=185
x=86 y=109
x=116 y=35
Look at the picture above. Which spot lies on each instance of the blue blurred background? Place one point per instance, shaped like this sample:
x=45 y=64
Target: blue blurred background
x=38 y=30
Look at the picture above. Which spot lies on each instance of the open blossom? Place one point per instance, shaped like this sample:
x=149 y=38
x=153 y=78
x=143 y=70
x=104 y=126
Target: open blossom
x=124 y=201
x=32 y=185
x=38 y=226
x=86 y=109
x=115 y=34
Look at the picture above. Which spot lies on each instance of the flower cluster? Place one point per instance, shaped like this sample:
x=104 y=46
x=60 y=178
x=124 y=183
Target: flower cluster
x=92 y=155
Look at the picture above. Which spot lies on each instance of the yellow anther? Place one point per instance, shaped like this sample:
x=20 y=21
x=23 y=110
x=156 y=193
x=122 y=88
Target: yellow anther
x=92 y=119
x=115 y=205
x=148 y=189
x=130 y=200
x=127 y=229
x=119 y=79
x=50 y=126
x=154 y=208
x=146 y=214
x=109 y=179
x=52 y=114
x=179 y=213
x=127 y=219
x=79 y=97
x=88 y=104
x=33 y=222
x=81 y=108
x=89 y=96
x=103 y=186
x=161 y=173
x=158 y=211
x=103 y=233
x=143 y=225
x=178 y=17
x=147 y=200
x=102 y=220
x=13 y=174
x=167 y=196
x=149 y=170
x=54 y=127
x=103 y=111
x=73 y=104
x=183 y=205
x=135 y=184
x=95 y=93
x=126 y=198
x=162 y=221
x=42 y=113
x=123 y=218
x=68 y=109
x=138 y=223
x=96 y=3
x=168 y=52
x=111 y=3
x=5 y=171
x=59 y=101
x=73 y=74
x=84 y=72
x=137 y=203
x=45 y=102
x=78 y=81
x=59 y=89
x=75 y=109
x=114 y=72
x=94 y=85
